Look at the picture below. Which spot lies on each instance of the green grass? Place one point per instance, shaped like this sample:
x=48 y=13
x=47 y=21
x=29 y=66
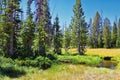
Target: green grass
x=86 y=59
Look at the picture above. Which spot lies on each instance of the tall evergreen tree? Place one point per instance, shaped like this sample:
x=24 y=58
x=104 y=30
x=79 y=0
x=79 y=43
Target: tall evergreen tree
x=66 y=39
x=43 y=21
x=16 y=21
x=10 y=18
x=57 y=37
x=118 y=37
x=42 y=10
x=107 y=33
x=89 y=37
x=39 y=46
x=73 y=42
x=27 y=35
x=1 y=28
x=48 y=25
x=96 y=31
x=78 y=27
x=100 y=37
x=114 y=35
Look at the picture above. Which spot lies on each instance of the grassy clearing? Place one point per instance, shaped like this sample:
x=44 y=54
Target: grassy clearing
x=104 y=52
x=100 y=52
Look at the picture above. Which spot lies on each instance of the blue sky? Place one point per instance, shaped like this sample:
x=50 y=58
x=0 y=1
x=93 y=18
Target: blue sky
x=63 y=8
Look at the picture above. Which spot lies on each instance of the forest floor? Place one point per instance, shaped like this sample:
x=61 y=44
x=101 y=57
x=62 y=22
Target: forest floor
x=70 y=71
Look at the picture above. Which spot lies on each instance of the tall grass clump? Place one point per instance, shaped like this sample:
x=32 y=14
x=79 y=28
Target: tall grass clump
x=86 y=59
x=117 y=59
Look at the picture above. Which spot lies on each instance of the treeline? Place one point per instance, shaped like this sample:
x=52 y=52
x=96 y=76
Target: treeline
x=38 y=36
x=31 y=37
x=102 y=34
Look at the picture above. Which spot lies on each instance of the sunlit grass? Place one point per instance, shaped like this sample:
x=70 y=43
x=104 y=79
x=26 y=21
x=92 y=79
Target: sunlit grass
x=100 y=52
x=104 y=52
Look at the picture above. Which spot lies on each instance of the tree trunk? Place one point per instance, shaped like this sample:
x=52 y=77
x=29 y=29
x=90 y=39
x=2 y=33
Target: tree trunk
x=79 y=52
x=42 y=50
x=11 y=50
x=79 y=45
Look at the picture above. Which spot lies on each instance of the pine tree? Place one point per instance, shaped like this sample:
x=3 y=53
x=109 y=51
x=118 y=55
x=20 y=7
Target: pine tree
x=1 y=29
x=57 y=37
x=10 y=18
x=66 y=39
x=43 y=11
x=118 y=37
x=27 y=35
x=114 y=35
x=89 y=37
x=16 y=24
x=73 y=42
x=100 y=37
x=106 y=33
x=48 y=25
x=78 y=27
x=96 y=31
x=43 y=21
x=40 y=44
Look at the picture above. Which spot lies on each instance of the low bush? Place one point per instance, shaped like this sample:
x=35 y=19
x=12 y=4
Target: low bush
x=40 y=62
x=27 y=63
x=43 y=62
x=4 y=60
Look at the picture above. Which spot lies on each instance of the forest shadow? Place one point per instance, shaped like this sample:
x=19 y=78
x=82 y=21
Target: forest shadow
x=11 y=72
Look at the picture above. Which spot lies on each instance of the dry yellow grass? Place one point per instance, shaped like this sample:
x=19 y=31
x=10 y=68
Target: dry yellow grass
x=104 y=52
x=100 y=52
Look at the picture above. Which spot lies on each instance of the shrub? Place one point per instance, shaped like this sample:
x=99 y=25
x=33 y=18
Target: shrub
x=41 y=62
x=4 y=60
x=44 y=62
x=29 y=63
x=52 y=57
